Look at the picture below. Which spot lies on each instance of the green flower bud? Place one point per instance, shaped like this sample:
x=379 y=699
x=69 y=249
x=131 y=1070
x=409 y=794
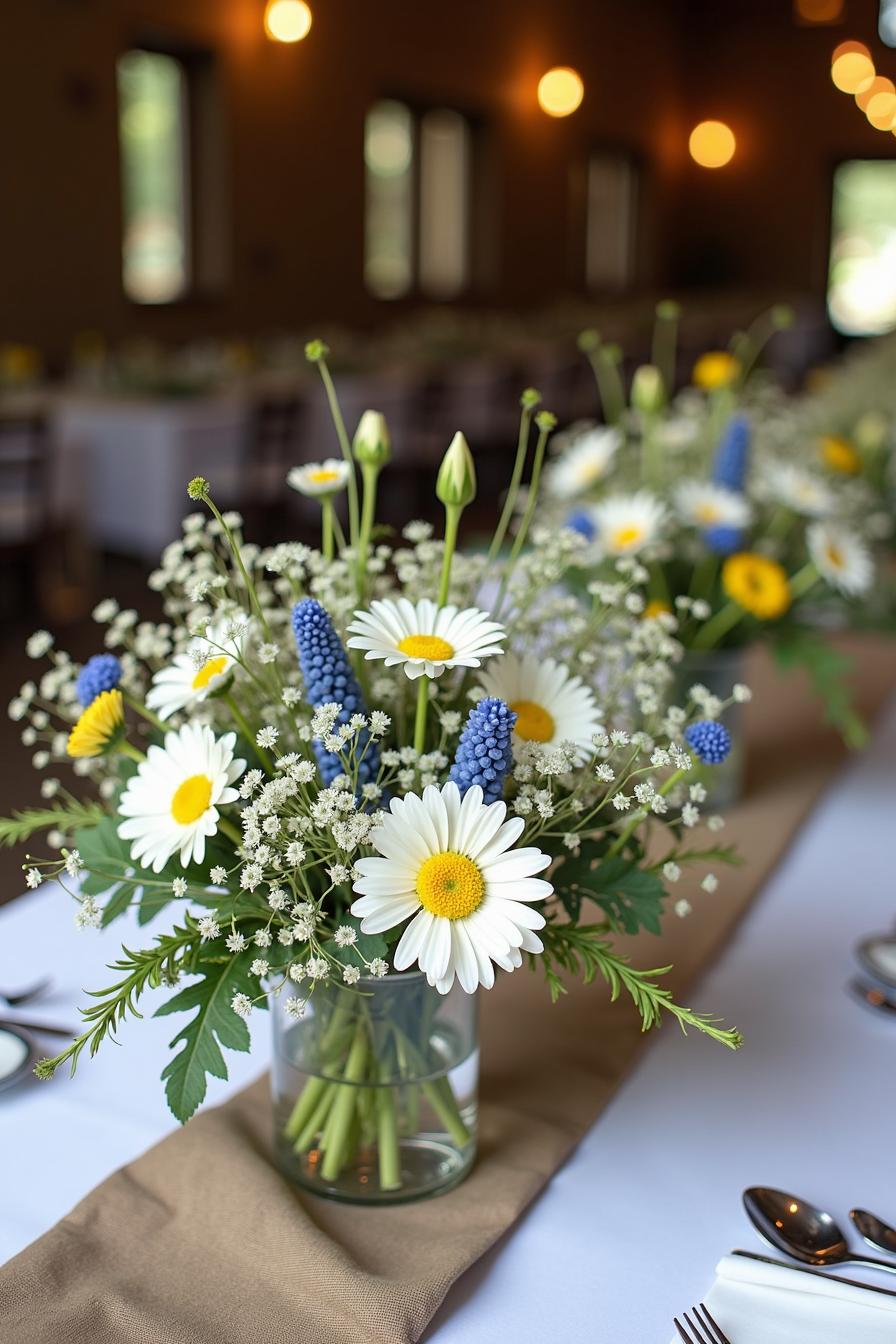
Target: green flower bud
x=315 y=351
x=456 y=482
x=782 y=316
x=371 y=445
x=667 y=310
x=611 y=353
x=588 y=341
x=530 y=399
x=198 y=488
x=648 y=392
x=546 y=420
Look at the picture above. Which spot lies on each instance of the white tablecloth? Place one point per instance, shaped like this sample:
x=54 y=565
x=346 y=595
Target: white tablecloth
x=627 y=1234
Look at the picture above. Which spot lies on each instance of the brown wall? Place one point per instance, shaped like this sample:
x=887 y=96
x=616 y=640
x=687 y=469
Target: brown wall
x=294 y=124
x=293 y=128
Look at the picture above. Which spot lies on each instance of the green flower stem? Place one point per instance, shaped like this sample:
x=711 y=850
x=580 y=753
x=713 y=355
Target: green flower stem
x=636 y=820
x=144 y=712
x=529 y=514
x=246 y=731
x=420 y=717
x=128 y=749
x=717 y=627
x=442 y=1100
x=238 y=557
x=305 y=1106
x=387 y=1136
x=803 y=580
x=370 y=476
x=452 y=522
x=314 y=1125
x=513 y=490
x=704 y=576
x=342 y=436
x=609 y=385
x=664 y=346
x=327 y=513
x=230 y=830
x=652 y=454
x=343 y=1110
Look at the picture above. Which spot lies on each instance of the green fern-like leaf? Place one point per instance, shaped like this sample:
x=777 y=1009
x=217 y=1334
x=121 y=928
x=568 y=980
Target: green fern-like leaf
x=18 y=828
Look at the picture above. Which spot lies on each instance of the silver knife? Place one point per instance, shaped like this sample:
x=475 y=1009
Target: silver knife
x=816 y=1273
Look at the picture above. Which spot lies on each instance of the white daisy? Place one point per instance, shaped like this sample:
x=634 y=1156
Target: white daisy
x=447 y=868
x=171 y=804
x=319 y=478
x=628 y=523
x=550 y=704
x=802 y=491
x=586 y=461
x=840 y=557
x=194 y=674
x=704 y=504
x=424 y=637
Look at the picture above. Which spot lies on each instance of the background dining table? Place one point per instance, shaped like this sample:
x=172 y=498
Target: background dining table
x=628 y=1232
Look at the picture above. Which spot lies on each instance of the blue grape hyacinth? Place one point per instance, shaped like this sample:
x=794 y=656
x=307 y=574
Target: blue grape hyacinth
x=581 y=521
x=723 y=539
x=485 y=750
x=329 y=678
x=709 y=740
x=733 y=454
x=100 y=673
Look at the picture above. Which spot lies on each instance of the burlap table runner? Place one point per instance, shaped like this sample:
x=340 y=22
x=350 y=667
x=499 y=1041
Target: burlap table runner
x=200 y=1241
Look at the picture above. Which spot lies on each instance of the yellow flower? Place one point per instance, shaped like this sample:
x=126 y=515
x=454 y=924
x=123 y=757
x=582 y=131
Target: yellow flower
x=839 y=454
x=715 y=369
x=655 y=608
x=99 y=727
x=757 y=584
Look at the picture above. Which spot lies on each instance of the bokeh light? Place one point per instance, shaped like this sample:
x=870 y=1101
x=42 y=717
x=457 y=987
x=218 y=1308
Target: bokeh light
x=712 y=144
x=881 y=109
x=819 y=11
x=287 y=20
x=852 y=68
x=877 y=85
x=560 y=91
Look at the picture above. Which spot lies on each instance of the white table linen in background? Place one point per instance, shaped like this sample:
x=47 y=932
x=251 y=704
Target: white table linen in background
x=768 y=1304
x=627 y=1233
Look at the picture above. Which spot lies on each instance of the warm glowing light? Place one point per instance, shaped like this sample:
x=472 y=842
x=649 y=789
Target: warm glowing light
x=877 y=85
x=881 y=109
x=560 y=91
x=819 y=11
x=287 y=20
x=712 y=144
x=852 y=68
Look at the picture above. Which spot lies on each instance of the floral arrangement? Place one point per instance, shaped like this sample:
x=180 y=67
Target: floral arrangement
x=327 y=766
x=745 y=535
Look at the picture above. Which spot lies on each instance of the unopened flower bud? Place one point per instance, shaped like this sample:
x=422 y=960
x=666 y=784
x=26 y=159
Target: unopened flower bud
x=648 y=392
x=372 y=446
x=530 y=399
x=315 y=351
x=456 y=482
x=589 y=341
x=667 y=310
x=546 y=420
x=198 y=488
x=782 y=316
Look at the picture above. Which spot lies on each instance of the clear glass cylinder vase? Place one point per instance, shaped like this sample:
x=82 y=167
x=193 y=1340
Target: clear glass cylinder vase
x=375 y=1089
x=718 y=670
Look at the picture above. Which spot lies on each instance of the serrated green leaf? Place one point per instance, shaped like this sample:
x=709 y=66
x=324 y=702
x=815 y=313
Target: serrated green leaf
x=632 y=897
x=828 y=670
x=214 y=1025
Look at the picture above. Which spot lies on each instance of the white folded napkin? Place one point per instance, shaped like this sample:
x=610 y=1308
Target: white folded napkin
x=756 y=1303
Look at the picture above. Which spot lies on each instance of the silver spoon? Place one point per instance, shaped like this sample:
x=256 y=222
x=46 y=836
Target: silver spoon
x=25 y=995
x=800 y=1230
x=874 y=1230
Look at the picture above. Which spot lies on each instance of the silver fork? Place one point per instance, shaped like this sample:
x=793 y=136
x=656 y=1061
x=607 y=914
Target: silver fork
x=701 y=1322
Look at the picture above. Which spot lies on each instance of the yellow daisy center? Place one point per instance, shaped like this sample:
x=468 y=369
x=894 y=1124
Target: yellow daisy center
x=426 y=646
x=840 y=455
x=191 y=799
x=211 y=669
x=97 y=726
x=706 y=513
x=589 y=471
x=834 y=555
x=323 y=475
x=629 y=535
x=450 y=885
x=715 y=369
x=533 y=722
